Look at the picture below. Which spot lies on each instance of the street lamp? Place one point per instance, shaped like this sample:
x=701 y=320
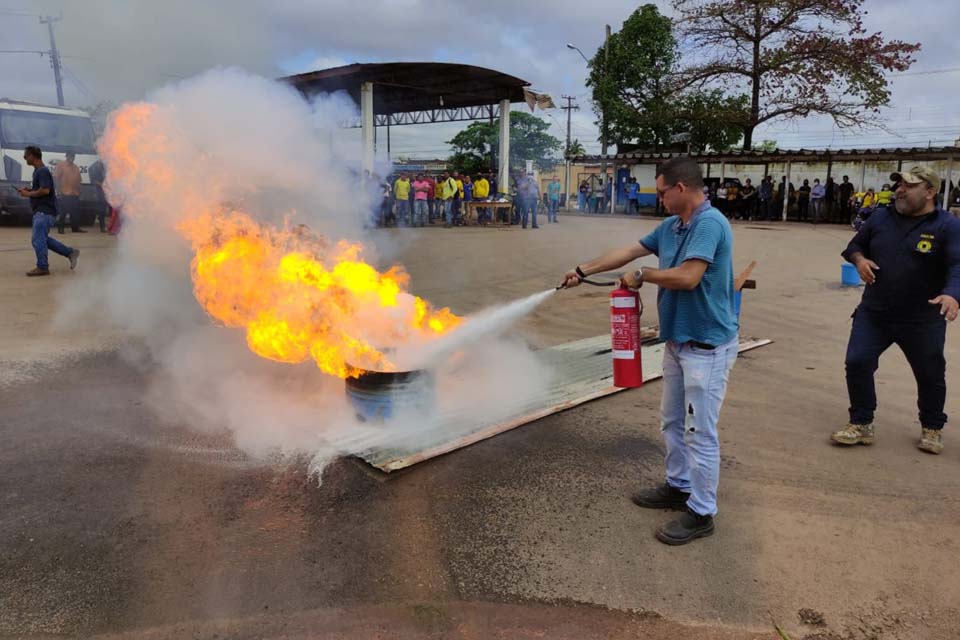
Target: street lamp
x=603 y=115
x=577 y=49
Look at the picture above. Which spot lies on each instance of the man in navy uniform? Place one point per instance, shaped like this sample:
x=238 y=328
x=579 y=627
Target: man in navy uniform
x=909 y=257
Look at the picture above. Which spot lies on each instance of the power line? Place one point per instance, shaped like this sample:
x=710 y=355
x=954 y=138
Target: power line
x=929 y=72
x=8 y=12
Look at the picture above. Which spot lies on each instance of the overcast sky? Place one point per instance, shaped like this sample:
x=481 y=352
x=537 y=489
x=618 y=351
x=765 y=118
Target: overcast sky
x=121 y=49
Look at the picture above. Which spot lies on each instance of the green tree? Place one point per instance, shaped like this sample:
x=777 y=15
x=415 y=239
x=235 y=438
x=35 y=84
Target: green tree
x=791 y=57
x=634 y=86
x=767 y=146
x=469 y=163
x=529 y=140
x=712 y=119
x=576 y=149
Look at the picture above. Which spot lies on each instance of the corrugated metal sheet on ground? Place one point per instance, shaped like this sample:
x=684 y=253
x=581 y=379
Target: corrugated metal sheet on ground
x=582 y=372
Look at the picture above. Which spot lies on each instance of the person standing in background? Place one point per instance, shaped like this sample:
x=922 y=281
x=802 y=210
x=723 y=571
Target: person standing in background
x=401 y=193
x=449 y=194
x=66 y=176
x=98 y=175
x=529 y=195
x=829 y=199
x=420 y=190
x=438 y=198
x=766 y=197
x=553 y=199
x=803 y=201
x=481 y=191
x=431 y=197
x=582 y=195
x=845 y=190
x=633 y=196
x=733 y=200
x=748 y=203
x=817 y=194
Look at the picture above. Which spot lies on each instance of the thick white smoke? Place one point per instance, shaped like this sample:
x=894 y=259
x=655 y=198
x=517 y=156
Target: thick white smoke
x=250 y=142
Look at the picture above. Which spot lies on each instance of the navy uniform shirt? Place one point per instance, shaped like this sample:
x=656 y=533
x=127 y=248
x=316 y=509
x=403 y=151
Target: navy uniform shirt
x=48 y=203
x=919 y=259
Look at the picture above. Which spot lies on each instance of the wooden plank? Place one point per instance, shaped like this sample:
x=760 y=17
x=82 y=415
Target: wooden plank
x=744 y=275
x=573 y=394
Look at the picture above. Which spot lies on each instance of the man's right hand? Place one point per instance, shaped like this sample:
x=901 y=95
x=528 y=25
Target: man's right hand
x=570 y=279
x=866 y=268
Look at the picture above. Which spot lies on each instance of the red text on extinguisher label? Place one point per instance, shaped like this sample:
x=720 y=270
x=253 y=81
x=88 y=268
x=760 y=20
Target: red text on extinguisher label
x=625 y=332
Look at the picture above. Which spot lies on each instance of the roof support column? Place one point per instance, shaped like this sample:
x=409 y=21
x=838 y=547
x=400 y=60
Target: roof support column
x=503 y=176
x=786 y=194
x=366 y=125
x=946 y=184
x=863 y=175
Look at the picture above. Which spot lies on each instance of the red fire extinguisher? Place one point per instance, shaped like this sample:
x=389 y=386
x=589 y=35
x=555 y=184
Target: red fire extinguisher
x=625 y=332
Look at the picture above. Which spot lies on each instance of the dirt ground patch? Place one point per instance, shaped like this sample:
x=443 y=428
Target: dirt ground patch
x=113 y=524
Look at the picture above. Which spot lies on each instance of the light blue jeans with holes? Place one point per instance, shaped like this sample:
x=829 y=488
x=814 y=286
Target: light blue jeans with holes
x=694 y=384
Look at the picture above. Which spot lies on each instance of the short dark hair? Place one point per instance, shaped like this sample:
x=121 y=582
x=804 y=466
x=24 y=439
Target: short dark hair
x=682 y=169
x=34 y=151
x=71 y=154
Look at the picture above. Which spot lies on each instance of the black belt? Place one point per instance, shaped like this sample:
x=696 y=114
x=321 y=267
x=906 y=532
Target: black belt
x=702 y=345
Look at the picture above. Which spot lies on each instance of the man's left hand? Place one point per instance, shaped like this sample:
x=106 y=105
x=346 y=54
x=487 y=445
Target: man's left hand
x=23 y=191
x=948 y=306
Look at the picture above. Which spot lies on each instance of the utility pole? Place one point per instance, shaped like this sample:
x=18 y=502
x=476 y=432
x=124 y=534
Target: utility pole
x=566 y=154
x=603 y=122
x=54 y=57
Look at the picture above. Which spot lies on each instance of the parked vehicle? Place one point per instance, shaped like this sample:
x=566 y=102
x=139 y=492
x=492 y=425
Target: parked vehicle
x=56 y=130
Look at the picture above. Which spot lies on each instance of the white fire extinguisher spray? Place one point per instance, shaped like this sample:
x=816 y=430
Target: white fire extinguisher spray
x=625 y=312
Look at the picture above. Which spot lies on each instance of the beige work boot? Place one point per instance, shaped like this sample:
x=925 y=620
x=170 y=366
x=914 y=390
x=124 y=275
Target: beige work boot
x=930 y=441
x=854 y=434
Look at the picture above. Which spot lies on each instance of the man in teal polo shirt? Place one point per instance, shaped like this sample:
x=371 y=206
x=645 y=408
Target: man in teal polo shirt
x=699 y=327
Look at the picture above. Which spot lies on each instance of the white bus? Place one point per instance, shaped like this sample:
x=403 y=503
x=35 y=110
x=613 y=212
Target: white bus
x=56 y=130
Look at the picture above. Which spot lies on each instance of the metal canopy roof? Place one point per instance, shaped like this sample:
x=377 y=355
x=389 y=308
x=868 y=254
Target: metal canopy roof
x=401 y=87
x=783 y=155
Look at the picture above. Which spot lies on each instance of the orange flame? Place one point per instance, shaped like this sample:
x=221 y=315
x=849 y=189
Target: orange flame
x=296 y=295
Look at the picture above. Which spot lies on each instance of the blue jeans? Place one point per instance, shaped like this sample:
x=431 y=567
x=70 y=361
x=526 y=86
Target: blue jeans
x=552 y=211
x=528 y=205
x=694 y=384
x=921 y=343
x=448 y=211
x=41 y=240
x=581 y=202
x=419 y=213
x=403 y=211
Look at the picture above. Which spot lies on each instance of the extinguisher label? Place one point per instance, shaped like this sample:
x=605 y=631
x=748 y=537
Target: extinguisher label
x=625 y=334
x=624 y=355
x=623 y=303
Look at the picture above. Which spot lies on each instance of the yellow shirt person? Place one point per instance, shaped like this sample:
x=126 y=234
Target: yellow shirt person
x=481 y=188
x=449 y=188
x=401 y=189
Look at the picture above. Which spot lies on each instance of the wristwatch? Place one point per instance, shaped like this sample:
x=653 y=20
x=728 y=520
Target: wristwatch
x=638 y=274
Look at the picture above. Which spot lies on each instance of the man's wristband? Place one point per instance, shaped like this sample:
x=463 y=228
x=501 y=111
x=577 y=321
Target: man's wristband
x=580 y=272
